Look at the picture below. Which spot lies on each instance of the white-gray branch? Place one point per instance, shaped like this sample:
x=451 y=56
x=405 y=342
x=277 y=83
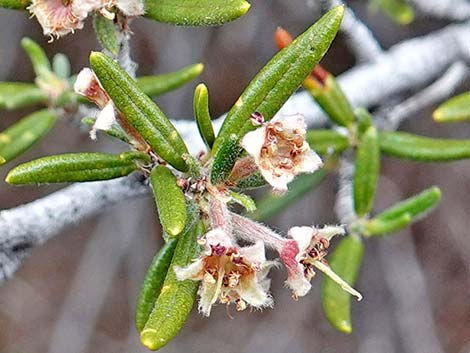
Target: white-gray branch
x=405 y=67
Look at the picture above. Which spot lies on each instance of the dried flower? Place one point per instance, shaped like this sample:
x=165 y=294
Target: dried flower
x=280 y=151
x=229 y=274
x=307 y=249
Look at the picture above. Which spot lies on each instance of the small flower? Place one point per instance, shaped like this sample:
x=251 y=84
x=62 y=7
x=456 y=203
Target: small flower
x=304 y=252
x=60 y=17
x=280 y=151
x=88 y=85
x=229 y=274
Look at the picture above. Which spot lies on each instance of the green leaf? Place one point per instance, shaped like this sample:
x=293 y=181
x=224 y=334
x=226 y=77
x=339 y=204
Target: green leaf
x=332 y=100
x=74 y=167
x=114 y=131
x=364 y=120
x=252 y=181
x=271 y=205
x=454 y=110
x=281 y=76
x=225 y=159
x=140 y=111
x=327 y=141
x=379 y=226
x=367 y=171
x=415 y=206
x=201 y=112
x=170 y=200
x=177 y=298
x=346 y=261
x=426 y=149
x=14 y=4
x=398 y=10
x=61 y=66
x=195 y=12
x=38 y=57
x=22 y=135
x=160 y=84
x=14 y=95
x=246 y=201
x=106 y=34
x=153 y=283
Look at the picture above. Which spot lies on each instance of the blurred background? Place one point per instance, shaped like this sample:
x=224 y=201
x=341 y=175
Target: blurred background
x=77 y=293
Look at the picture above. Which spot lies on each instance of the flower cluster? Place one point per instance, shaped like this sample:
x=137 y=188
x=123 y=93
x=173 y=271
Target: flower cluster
x=230 y=273
x=60 y=17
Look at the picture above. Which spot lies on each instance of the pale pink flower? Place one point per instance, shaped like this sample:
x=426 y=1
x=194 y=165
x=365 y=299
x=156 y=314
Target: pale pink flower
x=105 y=120
x=60 y=17
x=280 y=151
x=305 y=251
x=229 y=274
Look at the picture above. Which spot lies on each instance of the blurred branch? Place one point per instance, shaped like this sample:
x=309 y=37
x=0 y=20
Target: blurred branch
x=438 y=91
x=361 y=41
x=27 y=226
x=456 y=10
x=406 y=66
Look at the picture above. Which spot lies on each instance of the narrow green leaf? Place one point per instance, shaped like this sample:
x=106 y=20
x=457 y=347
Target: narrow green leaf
x=378 y=226
x=177 y=298
x=367 y=171
x=225 y=159
x=61 y=66
x=398 y=10
x=38 y=57
x=140 y=111
x=170 y=200
x=333 y=101
x=415 y=206
x=325 y=141
x=114 y=131
x=253 y=181
x=14 y=4
x=14 y=95
x=153 y=283
x=22 y=135
x=160 y=84
x=281 y=76
x=195 y=12
x=201 y=112
x=72 y=167
x=2 y=160
x=106 y=34
x=346 y=261
x=426 y=149
x=364 y=120
x=246 y=201
x=271 y=205
x=454 y=110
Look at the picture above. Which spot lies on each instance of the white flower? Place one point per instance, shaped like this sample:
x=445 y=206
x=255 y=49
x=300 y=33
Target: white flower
x=307 y=249
x=105 y=120
x=88 y=85
x=280 y=151
x=59 y=17
x=229 y=274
